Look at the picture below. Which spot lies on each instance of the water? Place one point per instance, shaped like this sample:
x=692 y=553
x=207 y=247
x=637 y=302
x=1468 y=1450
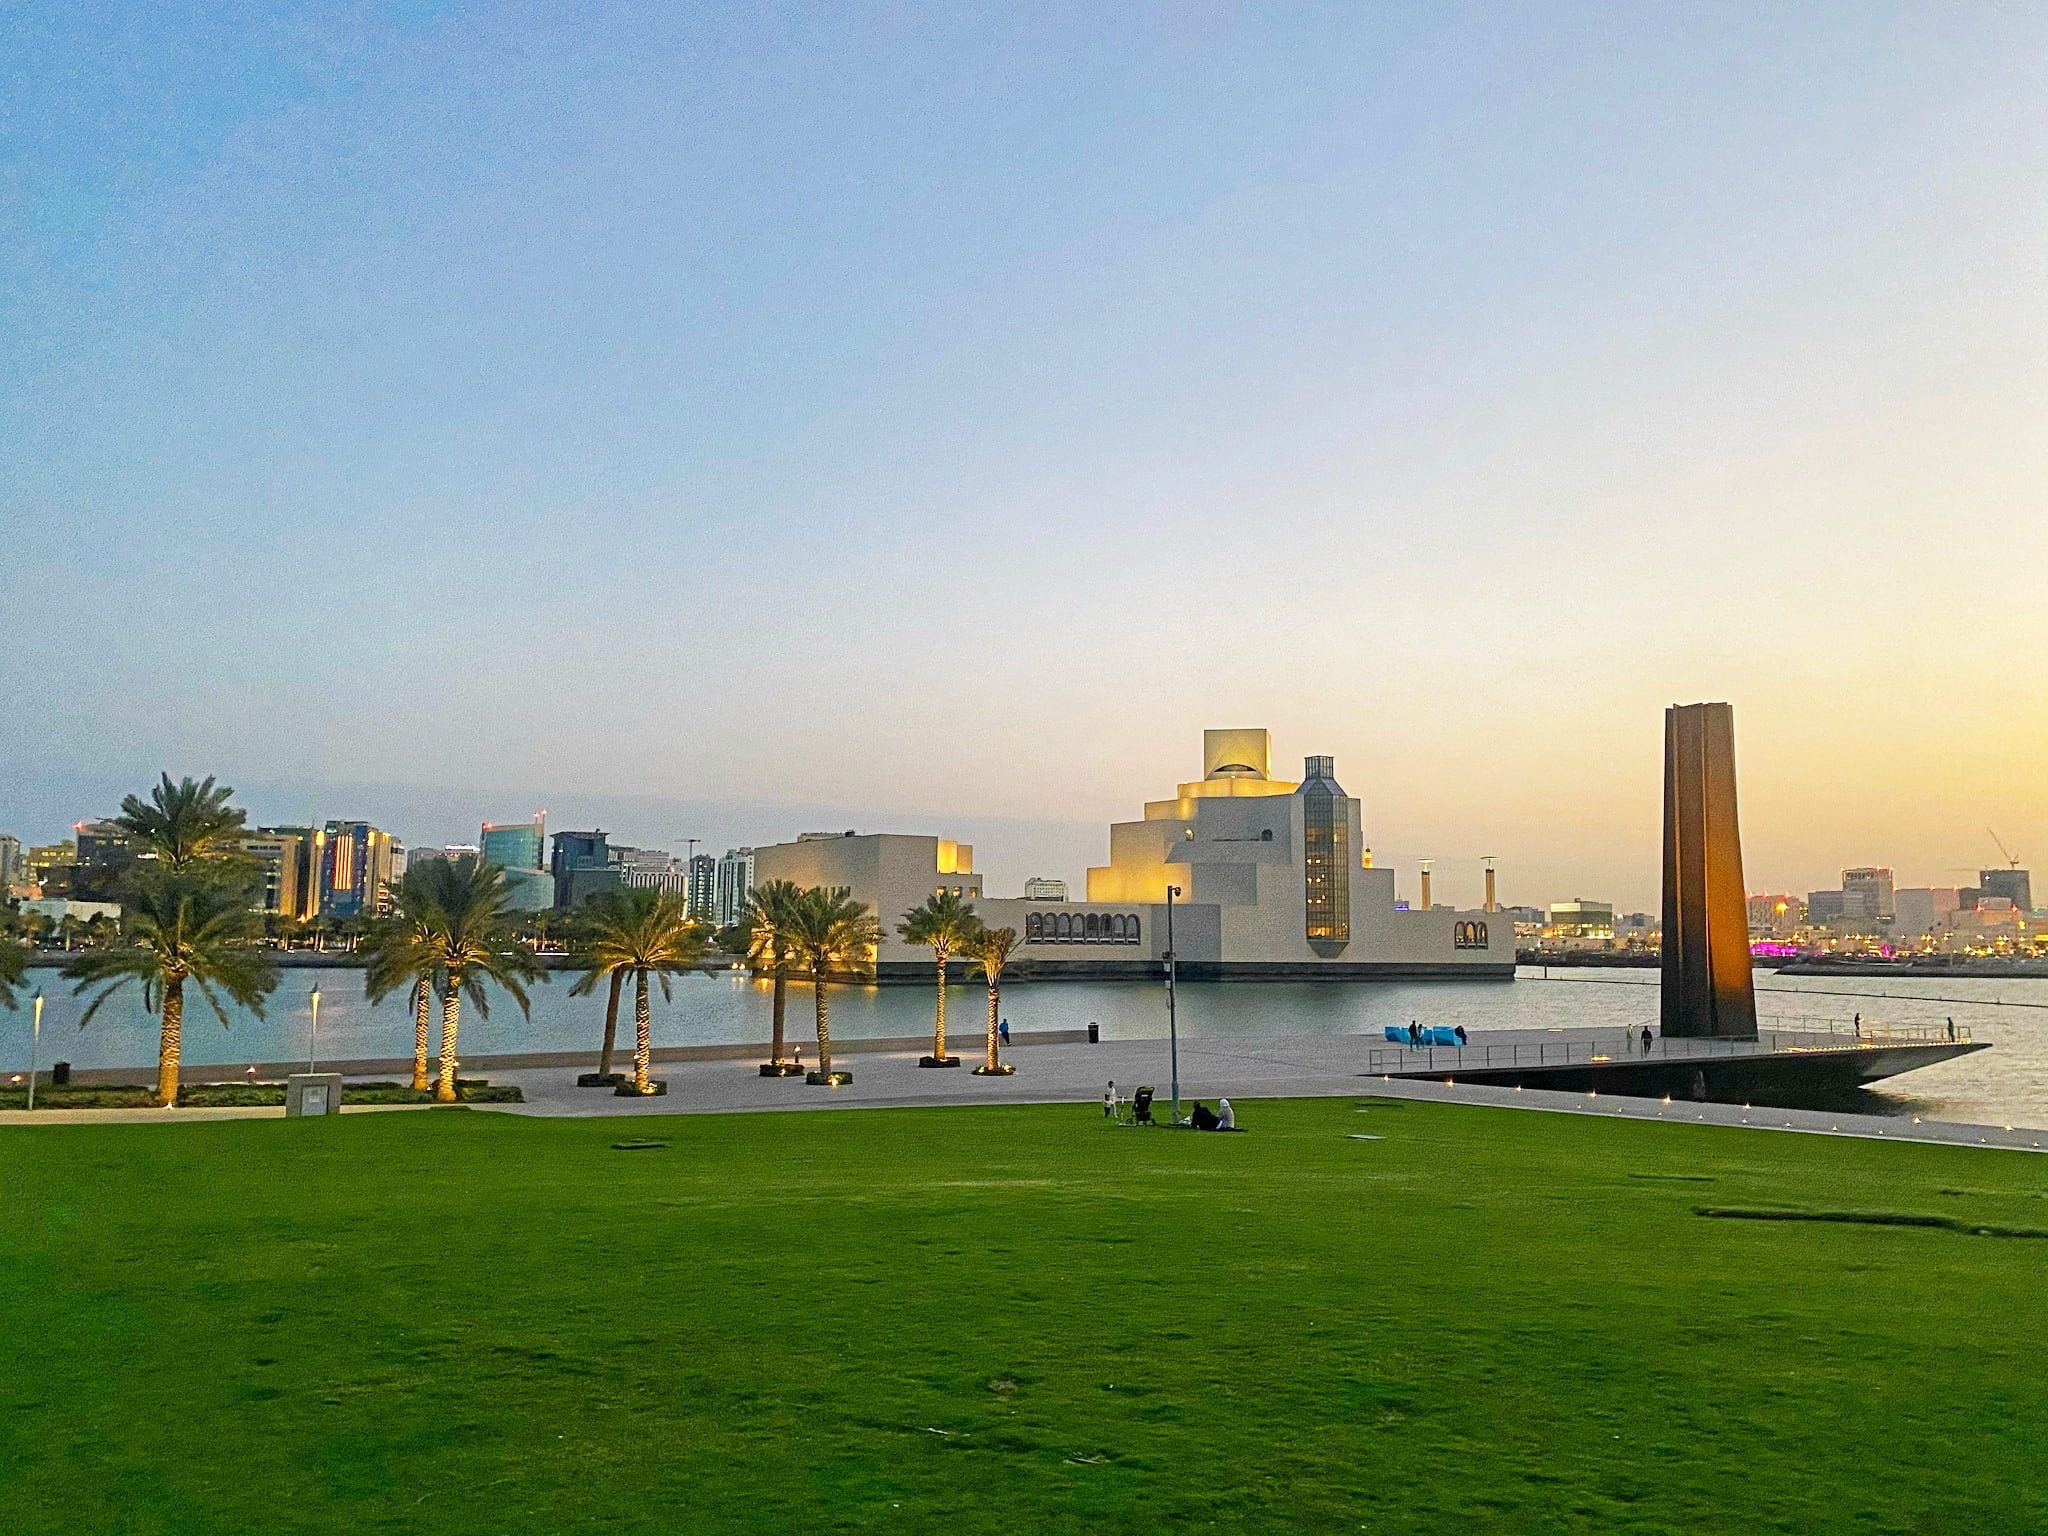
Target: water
x=2007 y=1085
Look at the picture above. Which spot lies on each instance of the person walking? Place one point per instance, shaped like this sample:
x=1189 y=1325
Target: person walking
x=1003 y=1033
x=1646 y=1039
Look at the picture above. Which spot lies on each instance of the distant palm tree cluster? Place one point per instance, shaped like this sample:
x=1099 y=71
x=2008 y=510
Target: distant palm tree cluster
x=450 y=935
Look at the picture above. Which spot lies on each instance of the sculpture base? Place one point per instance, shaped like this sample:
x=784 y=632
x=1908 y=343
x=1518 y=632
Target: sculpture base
x=781 y=1069
x=655 y=1089
x=600 y=1079
x=1000 y=1069
x=938 y=1061
x=828 y=1079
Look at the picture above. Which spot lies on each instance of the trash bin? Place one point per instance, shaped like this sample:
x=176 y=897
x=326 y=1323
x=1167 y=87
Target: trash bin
x=1094 y=1034
x=60 y=1075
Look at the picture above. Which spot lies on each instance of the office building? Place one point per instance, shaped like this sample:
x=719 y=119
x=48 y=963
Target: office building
x=283 y=860
x=1867 y=898
x=13 y=867
x=1825 y=909
x=581 y=867
x=735 y=880
x=355 y=869
x=1267 y=878
x=1579 y=919
x=1775 y=915
x=1040 y=888
x=1919 y=911
x=514 y=844
x=2013 y=884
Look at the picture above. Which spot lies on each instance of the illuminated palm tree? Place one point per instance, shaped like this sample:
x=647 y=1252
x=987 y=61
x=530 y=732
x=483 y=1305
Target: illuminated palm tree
x=604 y=911
x=945 y=922
x=400 y=952
x=990 y=949
x=640 y=932
x=181 y=928
x=769 y=928
x=183 y=824
x=832 y=934
x=472 y=937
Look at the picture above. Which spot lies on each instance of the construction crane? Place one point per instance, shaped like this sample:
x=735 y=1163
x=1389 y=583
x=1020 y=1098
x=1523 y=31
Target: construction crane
x=2012 y=860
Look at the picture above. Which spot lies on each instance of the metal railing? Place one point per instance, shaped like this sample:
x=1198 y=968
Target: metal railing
x=1620 y=1050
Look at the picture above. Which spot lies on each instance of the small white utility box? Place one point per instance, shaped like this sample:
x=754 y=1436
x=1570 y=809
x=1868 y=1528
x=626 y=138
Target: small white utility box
x=312 y=1093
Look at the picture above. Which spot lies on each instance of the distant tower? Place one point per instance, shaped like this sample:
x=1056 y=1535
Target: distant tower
x=1707 y=986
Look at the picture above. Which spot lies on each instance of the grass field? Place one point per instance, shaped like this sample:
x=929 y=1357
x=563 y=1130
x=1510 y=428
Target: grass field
x=1014 y=1319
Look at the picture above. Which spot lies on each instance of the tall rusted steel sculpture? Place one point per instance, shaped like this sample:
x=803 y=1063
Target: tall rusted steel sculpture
x=1708 y=990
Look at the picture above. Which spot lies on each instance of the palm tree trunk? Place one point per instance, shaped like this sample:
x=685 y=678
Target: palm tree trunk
x=939 y=1017
x=824 y=1027
x=611 y=1026
x=994 y=1003
x=167 y=1048
x=643 y=1032
x=451 y=1025
x=781 y=987
x=422 y=1026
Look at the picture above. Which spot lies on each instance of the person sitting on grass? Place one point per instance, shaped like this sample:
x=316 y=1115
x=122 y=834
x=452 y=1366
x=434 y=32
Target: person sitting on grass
x=1226 y=1117
x=1204 y=1118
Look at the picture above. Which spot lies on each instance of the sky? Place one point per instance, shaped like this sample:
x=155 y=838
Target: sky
x=730 y=421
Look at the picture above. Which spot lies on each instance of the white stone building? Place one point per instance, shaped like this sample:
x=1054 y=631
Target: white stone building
x=1269 y=878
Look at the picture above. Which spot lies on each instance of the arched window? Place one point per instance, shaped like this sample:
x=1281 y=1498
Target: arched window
x=1116 y=927
x=1093 y=926
x=1030 y=926
x=1133 y=931
x=1063 y=927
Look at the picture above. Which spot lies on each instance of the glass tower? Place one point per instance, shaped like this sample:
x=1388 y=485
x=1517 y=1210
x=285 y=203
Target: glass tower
x=1325 y=856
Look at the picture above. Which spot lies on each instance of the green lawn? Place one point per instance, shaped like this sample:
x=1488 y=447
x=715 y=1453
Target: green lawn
x=1013 y=1320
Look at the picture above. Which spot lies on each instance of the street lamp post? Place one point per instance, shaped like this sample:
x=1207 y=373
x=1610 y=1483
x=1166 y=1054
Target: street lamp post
x=1172 y=1022
x=313 y=1032
x=35 y=1042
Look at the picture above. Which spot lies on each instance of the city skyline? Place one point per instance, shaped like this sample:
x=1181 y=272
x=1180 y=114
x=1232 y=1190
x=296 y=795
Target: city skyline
x=1009 y=851
x=785 y=421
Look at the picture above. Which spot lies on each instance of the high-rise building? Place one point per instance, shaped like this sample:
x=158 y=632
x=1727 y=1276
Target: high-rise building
x=281 y=856
x=1040 y=888
x=1825 y=908
x=2015 y=885
x=13 y=868
x=105 y=858
x=1867 y=896
x=1922 y=910
x=1775 y=914
x=355 y=869
x=701 y=892
x=582 y=867
x=48 y=866
x=735 y=880
x=515 y=844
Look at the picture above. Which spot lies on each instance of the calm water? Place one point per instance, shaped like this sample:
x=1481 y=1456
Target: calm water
x=2006 y=1085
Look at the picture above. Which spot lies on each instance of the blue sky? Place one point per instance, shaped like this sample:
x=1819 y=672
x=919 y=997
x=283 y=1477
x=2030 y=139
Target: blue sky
x=935 y=416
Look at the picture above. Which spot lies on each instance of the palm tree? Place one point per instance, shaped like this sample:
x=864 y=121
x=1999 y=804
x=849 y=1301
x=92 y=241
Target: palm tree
x=945 y=922
x=13 y=962
x=183 y=824
x=463 y=908
x=769 y=924
x=400 y=952
x=990 y=949
x=641 y=932
x=831 y=932
x=606 y=912
x=181 y=928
